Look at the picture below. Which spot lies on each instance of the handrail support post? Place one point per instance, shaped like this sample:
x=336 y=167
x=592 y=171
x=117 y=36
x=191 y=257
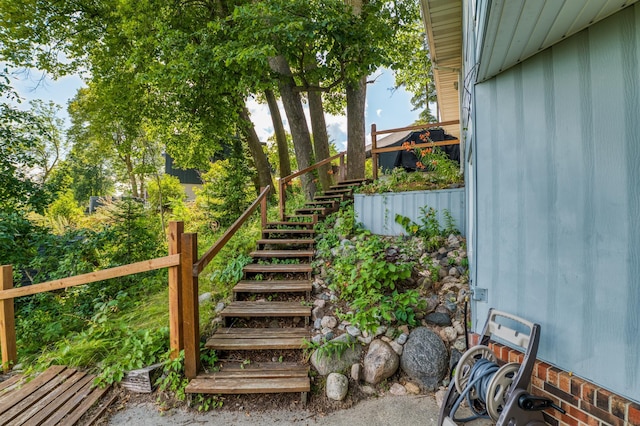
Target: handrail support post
x=176 y=332
x=7 y=321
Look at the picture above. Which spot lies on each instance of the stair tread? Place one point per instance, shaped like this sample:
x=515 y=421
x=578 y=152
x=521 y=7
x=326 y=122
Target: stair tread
x=289 y=223
x=286 y=241
x=258 y=338
x=273 y=286
x=278 y=267
x=281 y=253
x=223 y=385
x=266 y=309
x=329 y=197
x=288 y=231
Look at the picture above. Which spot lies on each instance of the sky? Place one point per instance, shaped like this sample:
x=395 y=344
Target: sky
x=385 y=107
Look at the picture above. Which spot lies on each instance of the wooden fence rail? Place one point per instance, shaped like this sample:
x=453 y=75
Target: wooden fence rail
x=374 y=140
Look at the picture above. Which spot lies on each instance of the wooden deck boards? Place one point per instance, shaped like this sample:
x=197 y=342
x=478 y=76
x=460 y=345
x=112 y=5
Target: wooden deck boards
x=58 y=396
x=278 y=267
x=282 y=253
x=273 y=286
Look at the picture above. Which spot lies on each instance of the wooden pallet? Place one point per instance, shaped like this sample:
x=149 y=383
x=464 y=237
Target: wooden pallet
x=265 y=378
x=59 y=396
x=230 y=338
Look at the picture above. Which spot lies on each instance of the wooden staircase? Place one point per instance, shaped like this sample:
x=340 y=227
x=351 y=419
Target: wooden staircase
x=282 y=271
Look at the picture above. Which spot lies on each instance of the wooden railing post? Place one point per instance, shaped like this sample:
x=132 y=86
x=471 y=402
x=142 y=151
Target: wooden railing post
x=283 y=195
x=263 y=211
x=190 y=306
x=176 y=341
x=374 y=154
x=7 y=321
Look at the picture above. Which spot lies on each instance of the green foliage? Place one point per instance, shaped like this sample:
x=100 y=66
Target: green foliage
x=65 y=207
x=429 y=227
x=165 y=192
x=363 y=277
x=227 y=189
x=228 y=276
x=334 y=348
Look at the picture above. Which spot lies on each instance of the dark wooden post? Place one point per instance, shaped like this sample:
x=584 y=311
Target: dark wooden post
x=374 y=155
x=7 y=321
x=176 y=341
x=263 y=210
x=283 y=195
x=190 y=306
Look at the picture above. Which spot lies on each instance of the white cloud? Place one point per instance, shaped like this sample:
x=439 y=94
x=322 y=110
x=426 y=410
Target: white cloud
x=379 y=112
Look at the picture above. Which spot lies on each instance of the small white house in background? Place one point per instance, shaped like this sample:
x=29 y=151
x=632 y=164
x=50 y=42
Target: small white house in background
x=548 y=96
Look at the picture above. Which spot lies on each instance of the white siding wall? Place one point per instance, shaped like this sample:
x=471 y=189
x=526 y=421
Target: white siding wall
x=557 y=161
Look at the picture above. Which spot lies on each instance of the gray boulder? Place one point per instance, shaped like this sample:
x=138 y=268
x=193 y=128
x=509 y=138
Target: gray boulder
x=337 y=386
x=425 y=358
x=438 y=318
x=380 y=362
x=326 y=363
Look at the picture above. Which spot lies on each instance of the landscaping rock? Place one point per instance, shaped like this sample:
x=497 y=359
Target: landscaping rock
x=402 y=339
x=337 y=386
x=412 y=388
x=380 y=362
x=319 y=303
x=329 y=322
x=397 y=347
x=331 y=363
x=356 y=372
x=398 y=390
x=205 y=297
x=425 y=358
x=448 y=334
x=353 y=330
x=219 y=307
x=438 y=318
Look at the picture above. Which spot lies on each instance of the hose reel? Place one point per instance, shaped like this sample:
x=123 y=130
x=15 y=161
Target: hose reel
x=482 y=382
x=493 y=391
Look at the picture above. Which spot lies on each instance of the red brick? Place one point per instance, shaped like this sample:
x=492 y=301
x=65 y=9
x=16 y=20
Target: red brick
x=537 y=382
x=564 y=381
x=602 y=399
x=618 y=406
x=588 y=392
x=576 y=386
x=542 y=369
x=633 y=416
x=552 y=375
x=474 y=339
x=576 y=413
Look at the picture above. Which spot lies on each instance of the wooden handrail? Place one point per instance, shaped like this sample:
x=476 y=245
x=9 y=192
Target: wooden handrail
x=418 y=145
x=202 y=263
x=417 y=127
x=374 y=140
x=91 y=277
x=284 y=180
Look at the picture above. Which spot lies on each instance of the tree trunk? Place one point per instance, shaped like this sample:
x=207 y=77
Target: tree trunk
x=132 y=176
x=281 y=135
x=320 y=137
x=297 y=121
x=356 y=97
x=258 y=155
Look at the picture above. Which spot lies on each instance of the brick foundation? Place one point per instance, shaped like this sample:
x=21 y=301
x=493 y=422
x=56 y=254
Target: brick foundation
x=585 y=403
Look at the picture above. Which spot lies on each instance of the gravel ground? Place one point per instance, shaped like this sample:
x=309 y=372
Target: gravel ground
x=387 y=410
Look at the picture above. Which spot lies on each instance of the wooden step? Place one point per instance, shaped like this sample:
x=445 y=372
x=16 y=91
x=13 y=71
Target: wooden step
x=282 y=254
x=288 y=223
x=266 y=309
x=326 y=203
x=346 y=191
x=267 y=378
x=273 y=286
x=286 y=241
x=256 y=268
x=353 y=181
x=241 y=339
x=305 y=232
x=320 y=211
x=340 y=197
x=307 y=218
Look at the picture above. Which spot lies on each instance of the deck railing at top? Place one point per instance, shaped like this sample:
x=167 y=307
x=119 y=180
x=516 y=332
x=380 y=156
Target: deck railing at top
x=374 y=140
x=184 y=269
x=287 y=179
